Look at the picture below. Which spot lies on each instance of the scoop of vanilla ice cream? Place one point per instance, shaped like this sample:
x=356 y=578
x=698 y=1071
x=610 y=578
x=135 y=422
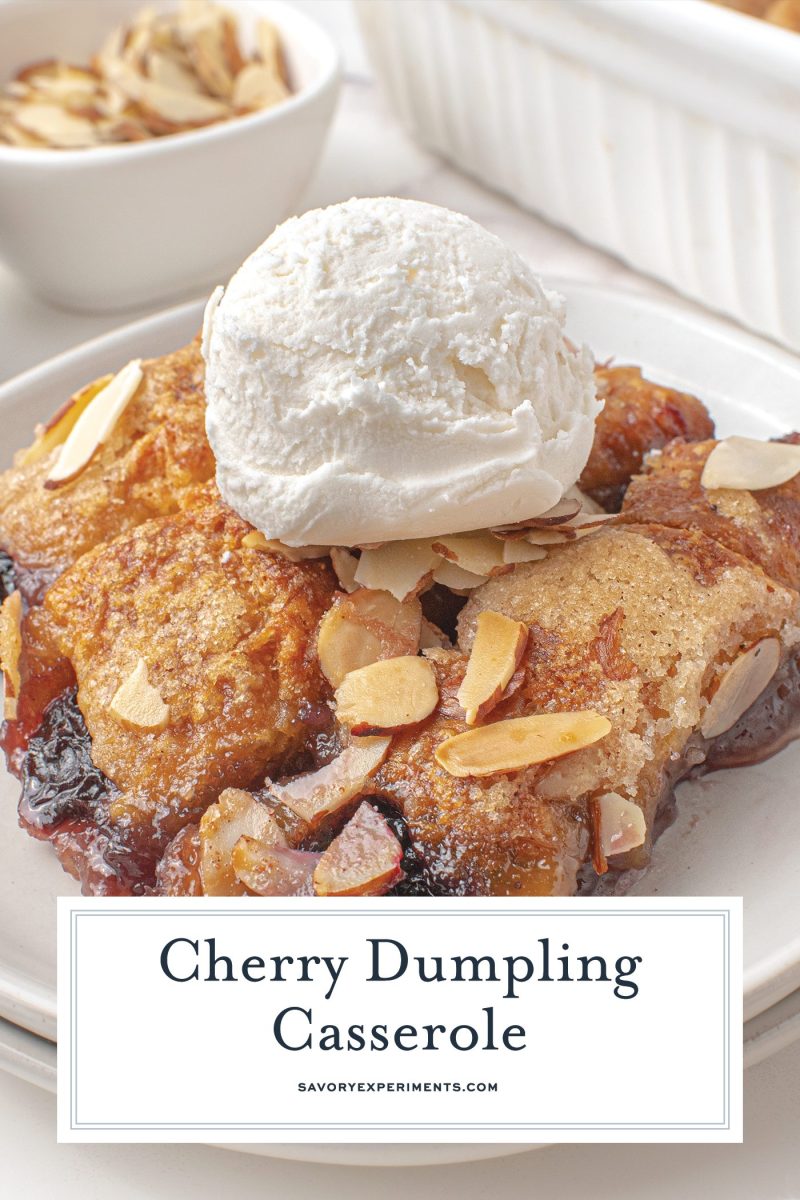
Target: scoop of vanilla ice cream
x=385 y=369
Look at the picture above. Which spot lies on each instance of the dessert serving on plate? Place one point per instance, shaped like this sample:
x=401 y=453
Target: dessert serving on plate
x=382 y=586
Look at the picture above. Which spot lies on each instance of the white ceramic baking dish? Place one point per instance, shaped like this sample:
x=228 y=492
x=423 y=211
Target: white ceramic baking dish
x=665 y=131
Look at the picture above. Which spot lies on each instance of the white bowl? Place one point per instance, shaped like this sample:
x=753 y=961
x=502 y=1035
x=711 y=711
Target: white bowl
x=117 y=226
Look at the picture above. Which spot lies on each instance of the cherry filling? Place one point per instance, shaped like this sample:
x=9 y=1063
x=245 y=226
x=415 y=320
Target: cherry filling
x=771 y=723
x=65 y=800
x=7 y=583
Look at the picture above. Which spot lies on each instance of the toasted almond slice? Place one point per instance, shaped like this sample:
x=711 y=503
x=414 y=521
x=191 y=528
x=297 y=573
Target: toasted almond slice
x=364 y=860
x=567 y=508
x=588 y=505
x=396 y=567
x=235 y=815
x=740 y=686
x=364 y=627
x=452 y=576
x=55 y=126
x=255 y=540
x=581 y=526
x=387 y=695
x=15 y=136
x=56 y=431
x=746 y=464
x=167 y=71
x=94 y=424
x=64 y=84
x=257 y=86
x=137 y=704
x=344 y=564
x=269 y=47
x=207 y=56
x=180 y=108
x=522 y=552
x=10 y=651
x=479 y=553
x=234 y=59
x=139 y=39
x=18 y=88
x=496 y=653
x=622 y=824
x=110 y=100
x=268 y=870
x=520 y=742
x=314 y=796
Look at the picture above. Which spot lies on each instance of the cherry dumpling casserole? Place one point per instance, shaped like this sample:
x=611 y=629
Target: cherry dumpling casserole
x=194 y=707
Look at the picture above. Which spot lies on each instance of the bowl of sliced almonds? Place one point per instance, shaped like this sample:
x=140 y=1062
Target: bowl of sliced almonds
x=143 y=152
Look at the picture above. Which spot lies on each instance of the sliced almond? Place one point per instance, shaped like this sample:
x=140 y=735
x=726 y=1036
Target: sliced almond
x=345 y=564
x=387 y=695
x=14 y=136
x=257 y=86
x=364 y=627
x=496 y=653
x=364 y=860
x=55 y=126
x=270 y=870
x=396 y=567
x=10 y=651
x=207 y=55
x=588 y=505
x=94 y=424
x=622 y=824
x=520 y=742
x=269 y=47
x=56 y=431
x=740 y=686
x=234 y=58
x=522 y=552
x=255 y=540
x=579 y=527
x=235 y=815
x=137 y=704
x=167 y=71
x=479 y=553
x=567 y=508
x=314 y=796
x=452 y=576
x=746 y=464
x=179 y=107
x=67 y=85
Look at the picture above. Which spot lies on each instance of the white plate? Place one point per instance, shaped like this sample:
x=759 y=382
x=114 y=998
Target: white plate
x=34 y=1059
x=737 y=832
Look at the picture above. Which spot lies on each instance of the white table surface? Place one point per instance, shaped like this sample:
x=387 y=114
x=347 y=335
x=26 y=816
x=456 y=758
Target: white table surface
x=368 y=154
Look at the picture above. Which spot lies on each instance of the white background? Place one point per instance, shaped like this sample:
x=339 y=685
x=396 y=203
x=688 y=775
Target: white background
x=368 y=154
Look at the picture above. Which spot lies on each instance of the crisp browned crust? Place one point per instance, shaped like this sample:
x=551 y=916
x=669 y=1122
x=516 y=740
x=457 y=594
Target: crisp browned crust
x=637 y=624
x=490 y=836
x=763 y=526
x=156 y=456
x=227 y=633
x=637 y=621
x=638 y=416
